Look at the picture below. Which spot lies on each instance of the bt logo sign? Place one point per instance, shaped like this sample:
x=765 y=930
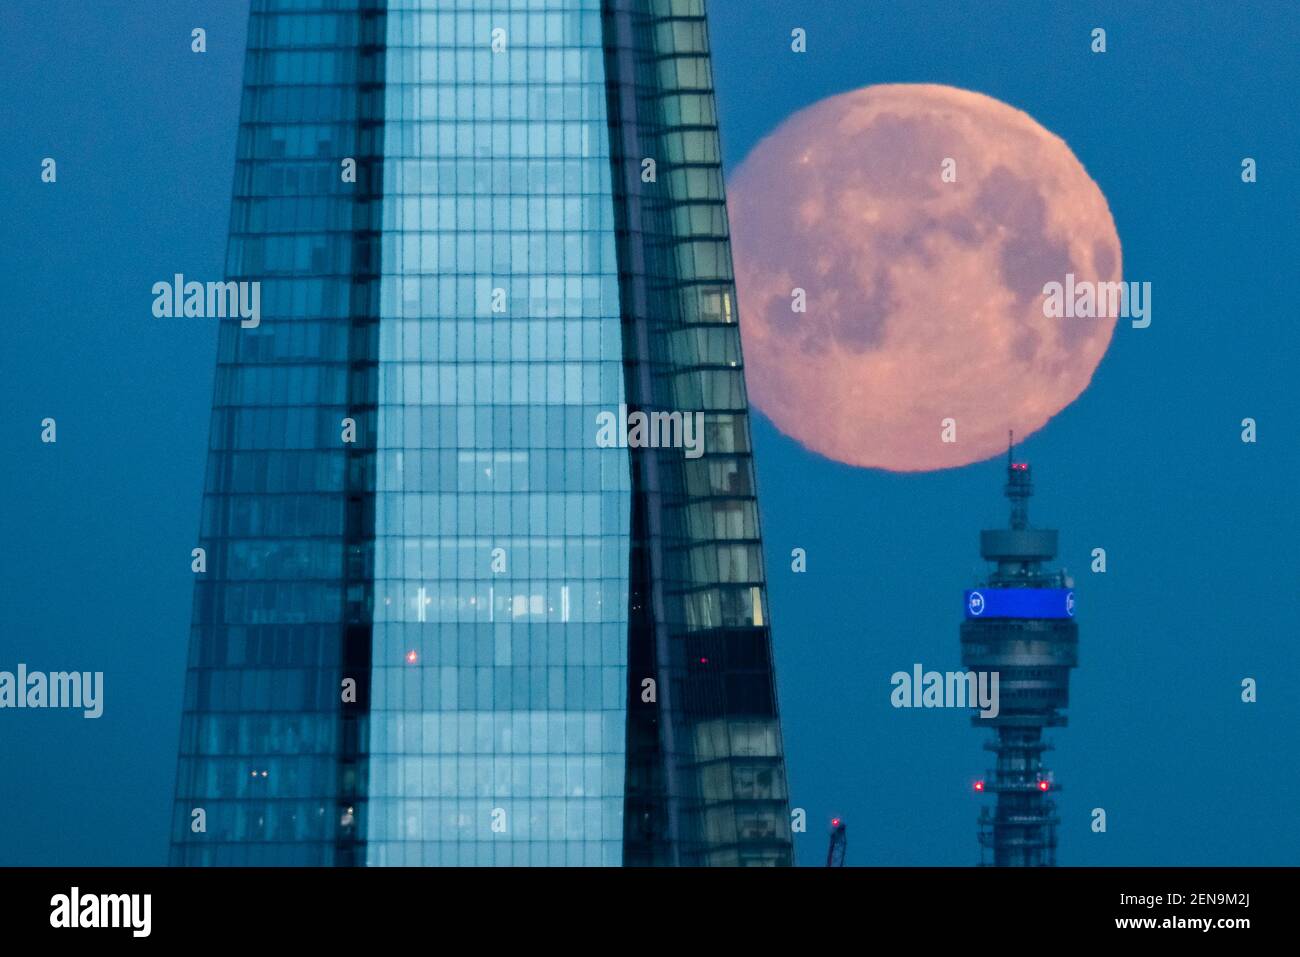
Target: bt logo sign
x=976 y=603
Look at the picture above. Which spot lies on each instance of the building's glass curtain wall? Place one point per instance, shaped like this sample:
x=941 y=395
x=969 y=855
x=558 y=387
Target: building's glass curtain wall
x=270 y=766
x=706 y=773
x=500 y=652
x=440 y=622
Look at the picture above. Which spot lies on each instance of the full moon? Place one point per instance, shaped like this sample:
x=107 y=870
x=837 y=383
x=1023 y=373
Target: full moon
x=921 y=224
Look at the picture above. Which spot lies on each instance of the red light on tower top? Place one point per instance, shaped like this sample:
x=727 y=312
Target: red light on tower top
x=979 y=785
x=1043 y=785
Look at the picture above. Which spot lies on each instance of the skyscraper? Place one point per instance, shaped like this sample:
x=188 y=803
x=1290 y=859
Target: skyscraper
x=1020 y=624
x=442 y=622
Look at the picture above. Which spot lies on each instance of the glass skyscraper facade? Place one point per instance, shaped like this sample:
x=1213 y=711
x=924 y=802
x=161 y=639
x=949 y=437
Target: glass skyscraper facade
x=441 y=621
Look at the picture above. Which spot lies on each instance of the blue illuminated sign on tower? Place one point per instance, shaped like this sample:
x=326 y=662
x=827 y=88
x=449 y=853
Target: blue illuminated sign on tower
x=1020 y=603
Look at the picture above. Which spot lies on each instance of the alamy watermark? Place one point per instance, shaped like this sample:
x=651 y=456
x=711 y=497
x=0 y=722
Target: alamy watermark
x=651 y=430
x=1084 y=299
x=75 y=909
x=946 y=689
x=211 y=300
x=58 y=689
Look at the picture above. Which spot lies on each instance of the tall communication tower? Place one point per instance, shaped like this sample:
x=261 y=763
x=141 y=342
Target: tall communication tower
x=1020 y=625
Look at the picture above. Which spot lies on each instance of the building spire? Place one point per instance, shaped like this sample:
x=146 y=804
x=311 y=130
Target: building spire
x=1018 y=487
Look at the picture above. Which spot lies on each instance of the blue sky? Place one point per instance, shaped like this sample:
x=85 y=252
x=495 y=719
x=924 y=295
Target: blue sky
x=1199 y=527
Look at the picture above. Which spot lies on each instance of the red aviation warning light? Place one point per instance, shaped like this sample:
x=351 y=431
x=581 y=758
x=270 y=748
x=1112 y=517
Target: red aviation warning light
x=1043 y=785
x=979 y=785
x=838 y=849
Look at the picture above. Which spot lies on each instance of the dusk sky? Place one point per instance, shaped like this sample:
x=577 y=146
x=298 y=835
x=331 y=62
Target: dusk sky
x=1148 y=463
